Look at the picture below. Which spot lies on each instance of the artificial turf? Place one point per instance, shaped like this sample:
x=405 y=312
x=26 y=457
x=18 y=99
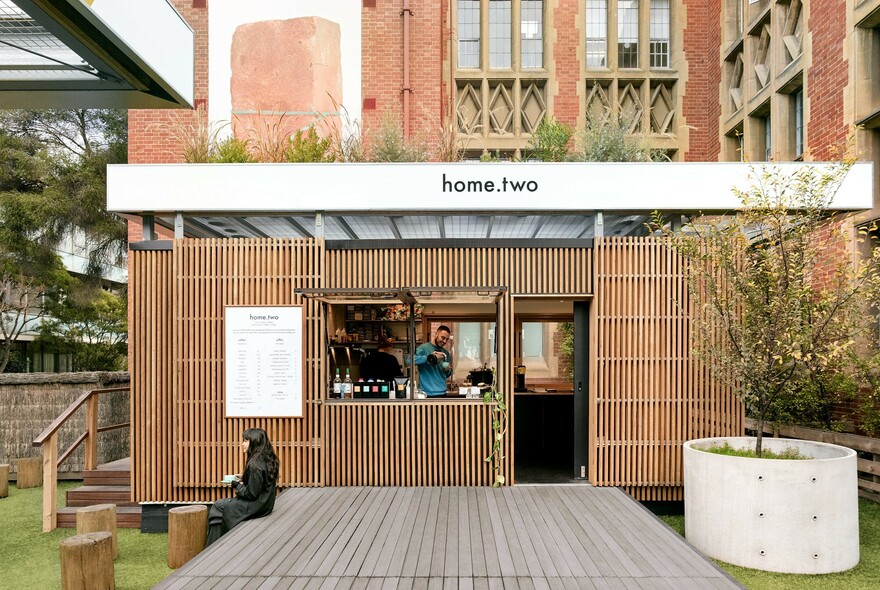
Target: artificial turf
x=31 y=558
x=866 y=575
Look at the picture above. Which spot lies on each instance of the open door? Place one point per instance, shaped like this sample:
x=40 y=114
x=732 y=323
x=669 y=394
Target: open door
x=581 y=372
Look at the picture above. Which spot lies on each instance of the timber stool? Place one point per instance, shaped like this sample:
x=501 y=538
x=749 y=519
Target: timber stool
x=4 y=480
x=30 y=473
x=187 y=533
x=97 y=518
x=87 y=562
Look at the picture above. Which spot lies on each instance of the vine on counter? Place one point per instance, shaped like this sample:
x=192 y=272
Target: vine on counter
x=499 y=429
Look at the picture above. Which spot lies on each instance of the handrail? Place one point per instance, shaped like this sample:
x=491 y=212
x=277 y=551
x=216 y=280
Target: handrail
x=63 y=417
x=48 y=440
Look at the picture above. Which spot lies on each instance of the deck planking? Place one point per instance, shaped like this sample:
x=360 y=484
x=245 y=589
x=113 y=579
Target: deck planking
x=516 y=538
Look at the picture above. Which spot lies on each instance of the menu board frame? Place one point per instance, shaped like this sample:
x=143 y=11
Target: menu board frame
x=271 y=317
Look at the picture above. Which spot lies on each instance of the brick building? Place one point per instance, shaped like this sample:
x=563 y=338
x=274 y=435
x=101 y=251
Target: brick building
x=705 y=80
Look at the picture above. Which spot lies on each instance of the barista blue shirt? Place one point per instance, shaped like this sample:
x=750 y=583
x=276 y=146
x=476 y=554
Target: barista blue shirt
x=432 y=378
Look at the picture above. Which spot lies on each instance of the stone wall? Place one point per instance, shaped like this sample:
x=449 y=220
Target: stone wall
x=29 y=402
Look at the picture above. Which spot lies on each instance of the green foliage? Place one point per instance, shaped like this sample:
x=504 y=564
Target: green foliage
x=500 y=421
x=71 y=194
x=231 y=150
x=93 y=329
x=31 y=558
x=309 y=147
x=550 y=141
x=566 y=349
x=788 y=453
x=780 y=334
x=612 y=140
x=490 y=157
x=388 y=144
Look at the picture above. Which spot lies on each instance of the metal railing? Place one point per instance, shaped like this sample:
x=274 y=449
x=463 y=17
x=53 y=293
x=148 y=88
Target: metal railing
x=48 y=440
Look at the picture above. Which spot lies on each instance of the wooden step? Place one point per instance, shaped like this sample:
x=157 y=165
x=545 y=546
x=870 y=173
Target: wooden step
x=127 y=517
x=106 y=477
x=88 y=495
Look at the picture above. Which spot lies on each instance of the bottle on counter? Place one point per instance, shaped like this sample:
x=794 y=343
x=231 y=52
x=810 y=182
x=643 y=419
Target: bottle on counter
x=337 y=385
x=347 y=385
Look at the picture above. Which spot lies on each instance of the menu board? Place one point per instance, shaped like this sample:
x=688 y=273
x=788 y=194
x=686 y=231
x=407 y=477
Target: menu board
x=264 y=361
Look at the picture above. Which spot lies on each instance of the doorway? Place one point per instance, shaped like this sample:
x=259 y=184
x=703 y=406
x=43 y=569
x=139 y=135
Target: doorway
x=550 y=428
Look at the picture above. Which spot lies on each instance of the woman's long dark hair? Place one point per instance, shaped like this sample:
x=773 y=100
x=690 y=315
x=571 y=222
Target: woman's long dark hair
x=259 y=447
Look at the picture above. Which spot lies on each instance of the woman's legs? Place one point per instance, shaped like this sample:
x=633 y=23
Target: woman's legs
x=215 y=521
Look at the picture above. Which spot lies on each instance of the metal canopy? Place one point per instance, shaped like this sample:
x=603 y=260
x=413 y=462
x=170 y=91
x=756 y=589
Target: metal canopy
x=401 y=228
x=77 y=53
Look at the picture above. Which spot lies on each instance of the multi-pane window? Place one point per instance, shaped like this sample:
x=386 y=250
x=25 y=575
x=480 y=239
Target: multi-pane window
x=597 y=33
x=469 y=33
x=501 y=41
x=628 y=33
x=659 y=33
x=500 y=14
x=798 y=98
x=532 y=33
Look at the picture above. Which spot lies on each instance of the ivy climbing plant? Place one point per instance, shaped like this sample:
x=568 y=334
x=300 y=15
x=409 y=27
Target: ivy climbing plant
x=499 y=418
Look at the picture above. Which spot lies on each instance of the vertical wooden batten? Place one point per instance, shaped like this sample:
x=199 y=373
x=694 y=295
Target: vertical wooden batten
x=646 y=396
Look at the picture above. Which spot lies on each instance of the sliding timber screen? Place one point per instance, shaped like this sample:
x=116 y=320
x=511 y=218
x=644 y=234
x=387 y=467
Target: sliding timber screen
x=649 y=393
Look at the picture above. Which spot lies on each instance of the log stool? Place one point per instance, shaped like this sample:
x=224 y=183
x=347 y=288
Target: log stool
x=87 y=562
x=30 y=473
x=187 y=533
x=97 y=518
x=4 y=480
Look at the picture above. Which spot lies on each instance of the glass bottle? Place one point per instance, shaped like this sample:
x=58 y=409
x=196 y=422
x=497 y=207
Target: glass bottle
x=337 y=385
x=347 y=385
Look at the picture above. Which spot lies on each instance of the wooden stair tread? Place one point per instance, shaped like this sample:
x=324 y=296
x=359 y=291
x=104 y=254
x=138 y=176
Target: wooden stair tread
x=127 y=517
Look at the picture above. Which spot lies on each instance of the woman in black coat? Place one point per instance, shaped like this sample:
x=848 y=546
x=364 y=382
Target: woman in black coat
x=254 y=489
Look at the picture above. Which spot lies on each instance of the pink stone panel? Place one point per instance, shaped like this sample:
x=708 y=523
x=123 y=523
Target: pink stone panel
x=284 y=66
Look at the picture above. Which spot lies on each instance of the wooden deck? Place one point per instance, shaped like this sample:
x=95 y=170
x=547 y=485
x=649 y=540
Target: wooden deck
x=570 y=537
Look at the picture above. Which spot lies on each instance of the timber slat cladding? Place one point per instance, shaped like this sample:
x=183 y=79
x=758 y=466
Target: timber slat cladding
x=151 y=366
x=208 y=276
x=649 y=393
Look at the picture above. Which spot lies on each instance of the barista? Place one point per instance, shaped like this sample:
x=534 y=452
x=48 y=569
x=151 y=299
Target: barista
x=381 y=365
x=434 y=363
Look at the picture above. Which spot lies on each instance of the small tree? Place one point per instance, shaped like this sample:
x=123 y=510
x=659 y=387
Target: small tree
x=777 y=301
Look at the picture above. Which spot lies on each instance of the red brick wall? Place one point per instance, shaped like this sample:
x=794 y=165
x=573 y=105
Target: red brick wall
x=566 y=103
x=148 y=142
x=382 y=60
x=826 y=78
x=701 y=105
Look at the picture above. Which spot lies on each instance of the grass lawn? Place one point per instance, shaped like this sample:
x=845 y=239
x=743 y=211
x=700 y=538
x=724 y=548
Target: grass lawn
x=31 y=558
x=865 y=575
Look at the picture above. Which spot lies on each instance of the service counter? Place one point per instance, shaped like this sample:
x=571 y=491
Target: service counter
x=438 y=441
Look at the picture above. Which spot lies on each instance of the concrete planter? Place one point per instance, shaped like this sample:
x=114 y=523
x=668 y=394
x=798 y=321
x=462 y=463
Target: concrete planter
x=799 y=517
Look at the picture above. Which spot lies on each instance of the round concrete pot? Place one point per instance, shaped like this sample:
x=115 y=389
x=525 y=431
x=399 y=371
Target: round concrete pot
x=798 y=517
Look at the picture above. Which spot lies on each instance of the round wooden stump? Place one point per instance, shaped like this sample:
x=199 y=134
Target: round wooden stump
x=87 y=562
x=30 y=473
x=4 y=480
x=97 y=518
x=187 y=533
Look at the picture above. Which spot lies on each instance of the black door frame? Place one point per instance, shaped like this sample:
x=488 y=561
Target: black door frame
x=581 y=388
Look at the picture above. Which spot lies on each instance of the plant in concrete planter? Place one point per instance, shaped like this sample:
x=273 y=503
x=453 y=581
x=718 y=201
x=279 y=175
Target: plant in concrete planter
x=777 y=301
x=777 y=304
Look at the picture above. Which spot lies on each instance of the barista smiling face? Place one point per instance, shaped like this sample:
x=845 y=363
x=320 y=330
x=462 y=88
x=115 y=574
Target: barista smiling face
x=441 y=336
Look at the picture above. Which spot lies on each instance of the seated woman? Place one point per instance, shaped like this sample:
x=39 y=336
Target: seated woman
x=254 y=489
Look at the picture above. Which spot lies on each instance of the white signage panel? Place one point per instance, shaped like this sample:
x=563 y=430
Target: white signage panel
x=426 y=188
x=264 y=361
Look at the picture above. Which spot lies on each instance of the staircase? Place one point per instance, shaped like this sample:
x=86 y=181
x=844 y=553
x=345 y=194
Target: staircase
x=108 y=484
